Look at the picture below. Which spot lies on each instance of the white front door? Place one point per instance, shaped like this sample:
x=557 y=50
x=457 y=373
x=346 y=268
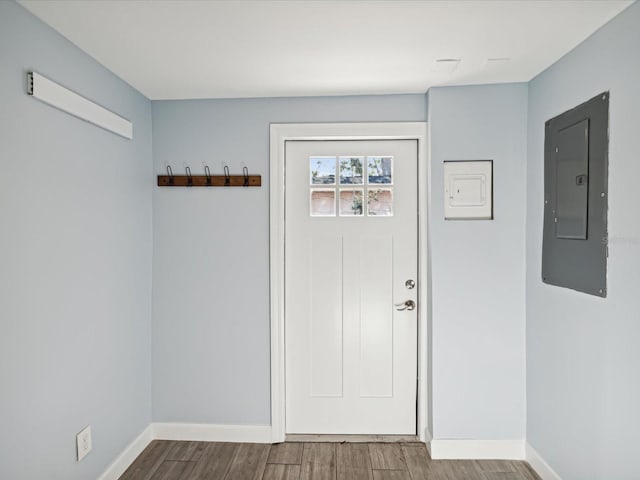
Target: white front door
x=350 y=265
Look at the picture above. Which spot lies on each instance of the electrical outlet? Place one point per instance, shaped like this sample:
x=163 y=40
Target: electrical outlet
x=83 y=441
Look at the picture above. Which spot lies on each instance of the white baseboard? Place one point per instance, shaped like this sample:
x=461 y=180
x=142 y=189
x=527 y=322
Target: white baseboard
x=204 y=432
x=538 y=463
x=126 y=458
x=477 y=449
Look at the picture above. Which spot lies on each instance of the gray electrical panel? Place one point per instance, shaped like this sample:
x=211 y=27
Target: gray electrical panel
x=574 y=244
x=572 y=172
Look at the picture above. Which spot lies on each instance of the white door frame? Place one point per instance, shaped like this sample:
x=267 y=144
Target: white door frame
x=279 y=135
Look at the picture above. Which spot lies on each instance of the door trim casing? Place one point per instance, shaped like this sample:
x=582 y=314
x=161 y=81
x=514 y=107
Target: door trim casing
x=281 y=133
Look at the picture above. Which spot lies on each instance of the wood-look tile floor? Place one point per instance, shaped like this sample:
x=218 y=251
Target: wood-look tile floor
x=169 y=460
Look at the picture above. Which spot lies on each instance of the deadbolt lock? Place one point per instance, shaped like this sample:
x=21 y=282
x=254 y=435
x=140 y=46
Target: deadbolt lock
x=410 y=284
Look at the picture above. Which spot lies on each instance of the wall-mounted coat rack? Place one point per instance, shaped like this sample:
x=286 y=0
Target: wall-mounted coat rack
x=208 y=180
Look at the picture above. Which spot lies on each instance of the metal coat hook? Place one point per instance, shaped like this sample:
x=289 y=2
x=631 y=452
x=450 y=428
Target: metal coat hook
x=227 y=177
x=245 y=172
x=207 y=174
x=170 y=174
x=189 y=177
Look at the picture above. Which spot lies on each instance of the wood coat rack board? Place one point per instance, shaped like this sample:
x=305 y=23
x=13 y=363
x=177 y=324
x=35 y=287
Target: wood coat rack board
x=208 y=180
x=216 y=181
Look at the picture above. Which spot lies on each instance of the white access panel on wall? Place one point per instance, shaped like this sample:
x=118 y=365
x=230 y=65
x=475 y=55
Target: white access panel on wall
x=468 y=190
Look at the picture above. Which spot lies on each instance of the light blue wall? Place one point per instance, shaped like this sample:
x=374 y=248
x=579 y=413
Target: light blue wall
x=75 y=262
x=211 y=251
x=478 y=268
x=583 y=355
x=75 y=251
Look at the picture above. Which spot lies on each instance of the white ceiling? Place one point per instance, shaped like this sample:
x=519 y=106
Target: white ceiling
x=213 y=49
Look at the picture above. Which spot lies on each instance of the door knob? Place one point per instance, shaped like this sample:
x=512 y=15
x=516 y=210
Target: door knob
x=408 y=305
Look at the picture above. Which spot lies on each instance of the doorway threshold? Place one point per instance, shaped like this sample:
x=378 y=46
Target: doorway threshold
x=311 y=438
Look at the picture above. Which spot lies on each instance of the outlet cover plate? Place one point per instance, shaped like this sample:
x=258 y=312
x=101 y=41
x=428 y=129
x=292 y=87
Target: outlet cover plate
x=83 y=442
